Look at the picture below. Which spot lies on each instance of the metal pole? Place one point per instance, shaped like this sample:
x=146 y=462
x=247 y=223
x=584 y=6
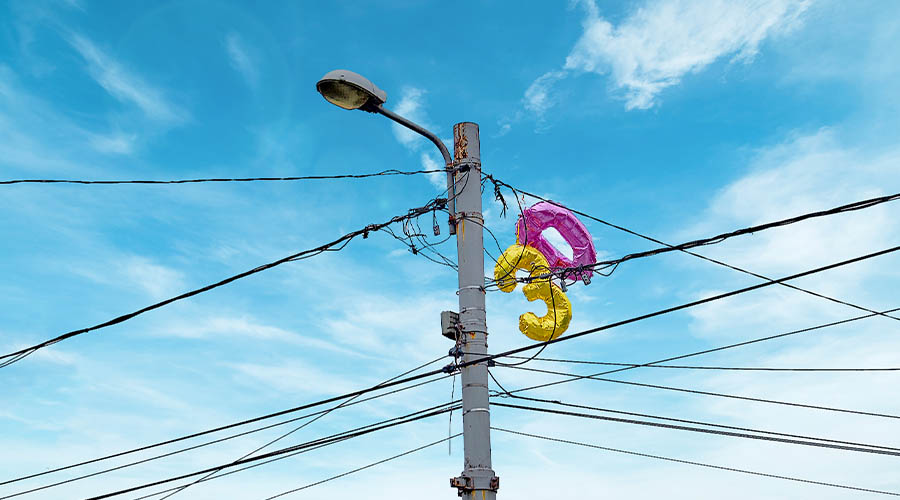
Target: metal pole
x=477 y=481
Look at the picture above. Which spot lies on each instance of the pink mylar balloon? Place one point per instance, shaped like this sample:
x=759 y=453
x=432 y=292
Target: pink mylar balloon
x=542 y=215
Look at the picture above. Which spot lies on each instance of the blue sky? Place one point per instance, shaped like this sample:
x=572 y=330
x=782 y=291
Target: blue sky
x=677 y=119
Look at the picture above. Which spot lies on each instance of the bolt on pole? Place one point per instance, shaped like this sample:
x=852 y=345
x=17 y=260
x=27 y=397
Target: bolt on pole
x=477 y=480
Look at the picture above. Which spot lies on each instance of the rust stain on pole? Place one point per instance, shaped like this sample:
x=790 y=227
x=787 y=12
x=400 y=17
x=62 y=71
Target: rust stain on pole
x=460 y=142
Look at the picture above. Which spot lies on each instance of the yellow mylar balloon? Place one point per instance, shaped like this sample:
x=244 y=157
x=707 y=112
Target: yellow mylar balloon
x=559 y=309
x=518 y=257
x=559 y=312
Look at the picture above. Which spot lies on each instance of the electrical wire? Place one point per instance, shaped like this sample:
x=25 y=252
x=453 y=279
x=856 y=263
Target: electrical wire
x=691 y=367
x=689 y=304
x=389 y=172
x=690 y=391
x=252 y=466
x=8 y=359
x=709 y=424
x=859 y=205
x=744 y=435
x=699 y=464
x=307 y=423
x=709 y=259
x=608 y=326
x=752 y=341
x=412 y=417
x=582 y=333
x=338 y=438
x=358 y=469
x=552 y=333
x=202 y=433
x=729 y=266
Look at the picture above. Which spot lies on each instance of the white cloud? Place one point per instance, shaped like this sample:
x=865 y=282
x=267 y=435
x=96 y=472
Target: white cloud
x=37 y=137
x=126 y=86
x=803 y=175
x=296 y=377
x=157 y=280
x=239 y=57
x=410 y=107
x=537 y=96
x=114 y=143
x=134 y=271
x=660 y=42
x=439 y=179
x=247 y=327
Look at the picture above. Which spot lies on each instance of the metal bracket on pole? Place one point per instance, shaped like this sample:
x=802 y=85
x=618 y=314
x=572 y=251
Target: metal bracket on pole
x=466 y=485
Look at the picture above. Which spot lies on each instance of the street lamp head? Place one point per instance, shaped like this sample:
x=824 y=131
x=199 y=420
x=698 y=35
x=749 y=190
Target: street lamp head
x=349 y=90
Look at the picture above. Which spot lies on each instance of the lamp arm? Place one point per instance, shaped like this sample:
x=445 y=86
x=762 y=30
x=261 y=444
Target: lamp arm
x=377 y=108
x=374 y=107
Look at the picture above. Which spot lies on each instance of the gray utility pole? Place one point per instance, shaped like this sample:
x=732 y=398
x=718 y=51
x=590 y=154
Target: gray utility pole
x=350 y=90
x=477 y=480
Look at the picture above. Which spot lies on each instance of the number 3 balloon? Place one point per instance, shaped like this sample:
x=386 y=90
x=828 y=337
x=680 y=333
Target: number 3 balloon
x=559 y=309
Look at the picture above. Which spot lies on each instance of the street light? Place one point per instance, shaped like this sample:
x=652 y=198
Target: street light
x=350 y=90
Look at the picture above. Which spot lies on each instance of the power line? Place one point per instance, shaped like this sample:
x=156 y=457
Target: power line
x=389 y=172
x=373 y=464
x=859 y=205
x=692 y=304
x=412 y=417
x=235 y=471
x=748 y=342
x=451 y=367
x=335 y=245
x=704 y=431
x=209 y=431
x=699 y=464
x=265 y=462
x=317 y=414
x=724 y=368
x=559 y=339
x=708 y=424
x=690 y=391
x=304 y=424
x=431 y=206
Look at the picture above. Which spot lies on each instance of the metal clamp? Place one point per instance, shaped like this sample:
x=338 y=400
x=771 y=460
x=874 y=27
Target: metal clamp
x=470 y=410
x=470 y=215
x=466 y=484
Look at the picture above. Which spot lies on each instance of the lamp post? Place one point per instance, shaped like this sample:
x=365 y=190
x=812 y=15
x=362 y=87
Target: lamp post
x=349 y=90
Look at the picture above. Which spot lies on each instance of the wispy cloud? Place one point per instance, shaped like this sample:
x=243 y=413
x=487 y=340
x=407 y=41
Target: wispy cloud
x=438 y=180
x=135 y=272
x=295 y=378
x=657 y=44
x=239 y=57
x=805 y=174
x=412 y=107
x=36 y=136
x=116 y=143
x=124 y=85
x=247 y=327
x=537 y=96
